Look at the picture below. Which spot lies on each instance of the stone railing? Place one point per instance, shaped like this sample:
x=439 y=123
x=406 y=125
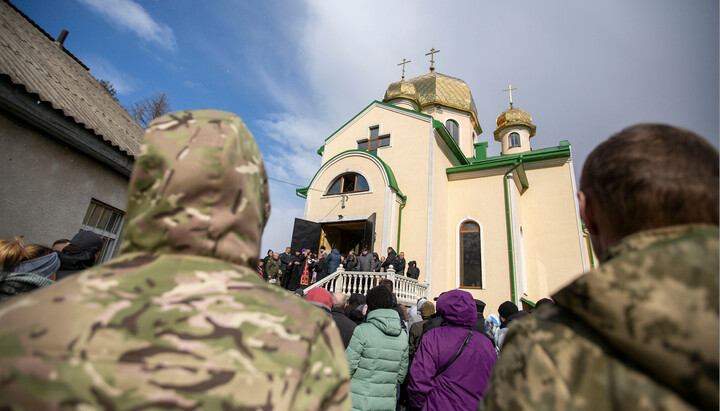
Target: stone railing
x=407 y=290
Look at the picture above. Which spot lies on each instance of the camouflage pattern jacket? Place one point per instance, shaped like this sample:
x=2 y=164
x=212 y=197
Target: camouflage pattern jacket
x=639 y=332
x=181 y=320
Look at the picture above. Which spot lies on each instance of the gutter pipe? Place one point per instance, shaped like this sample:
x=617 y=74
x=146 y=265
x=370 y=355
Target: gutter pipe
x=402 y=205
x=508 y=220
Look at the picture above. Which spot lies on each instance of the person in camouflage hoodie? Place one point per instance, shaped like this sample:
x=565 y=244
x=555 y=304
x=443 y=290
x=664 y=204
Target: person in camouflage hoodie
x=180 y=320
x=641 y=330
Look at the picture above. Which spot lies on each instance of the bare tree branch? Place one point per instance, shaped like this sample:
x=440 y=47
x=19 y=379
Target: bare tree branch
x=149 y=108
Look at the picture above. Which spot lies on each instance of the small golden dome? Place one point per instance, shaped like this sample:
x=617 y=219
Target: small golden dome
x=436 y=88
x=402 y=89
x=514 y=117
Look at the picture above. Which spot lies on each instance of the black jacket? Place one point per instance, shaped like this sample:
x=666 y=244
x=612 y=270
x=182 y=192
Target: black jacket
x=344 y=324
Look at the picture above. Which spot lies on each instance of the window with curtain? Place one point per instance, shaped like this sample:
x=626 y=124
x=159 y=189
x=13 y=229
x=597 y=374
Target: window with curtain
x=470 y=255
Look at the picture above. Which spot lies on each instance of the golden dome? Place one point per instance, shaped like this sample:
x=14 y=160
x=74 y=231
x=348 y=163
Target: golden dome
x=436 y=88
x=402 y=89
x=514 y=117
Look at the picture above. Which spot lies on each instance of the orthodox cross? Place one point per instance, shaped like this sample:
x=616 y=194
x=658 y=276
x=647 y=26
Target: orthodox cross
x=432 y=58
x=404 y=62
x=510 y=89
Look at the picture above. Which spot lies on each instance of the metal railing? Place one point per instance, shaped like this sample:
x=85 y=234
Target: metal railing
x=407 y=290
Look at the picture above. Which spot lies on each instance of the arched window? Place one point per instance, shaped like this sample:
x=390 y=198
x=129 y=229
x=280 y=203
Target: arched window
x=348 y=183
x=514 y=139
x=454 y=130
x=470 y=255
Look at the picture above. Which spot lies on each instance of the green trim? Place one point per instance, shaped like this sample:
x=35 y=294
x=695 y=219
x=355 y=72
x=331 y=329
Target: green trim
x=402 y=205
x=302 y=192
x=447 y=138
x=509 y=159
x=508 y=223
x=368 y=106
x=321 y=150
x=528 y=302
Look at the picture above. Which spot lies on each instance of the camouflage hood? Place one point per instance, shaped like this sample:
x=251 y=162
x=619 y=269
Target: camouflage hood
x=199 y=187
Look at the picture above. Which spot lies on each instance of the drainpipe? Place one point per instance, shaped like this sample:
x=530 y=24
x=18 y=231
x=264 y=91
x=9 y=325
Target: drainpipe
x=589 y=245
x=508 y=219
x=402 y=205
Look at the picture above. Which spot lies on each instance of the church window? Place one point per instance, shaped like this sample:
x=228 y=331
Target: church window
x=454 y=130
x=470 y=256
x=348 y=183
x=375 y=141
x=514 y=139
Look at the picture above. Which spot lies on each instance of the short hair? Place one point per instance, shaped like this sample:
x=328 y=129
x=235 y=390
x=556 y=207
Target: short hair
x=60 y=241
x=653 y=175
x=339 y=299
x=387 y=283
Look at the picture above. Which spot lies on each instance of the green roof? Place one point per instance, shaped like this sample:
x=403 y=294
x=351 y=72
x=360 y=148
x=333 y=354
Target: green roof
x=302 y=192
x=504 y=160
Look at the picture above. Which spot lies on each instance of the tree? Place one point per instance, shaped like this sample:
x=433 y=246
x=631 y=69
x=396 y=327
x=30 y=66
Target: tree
x=107 y=85
x=149 y=108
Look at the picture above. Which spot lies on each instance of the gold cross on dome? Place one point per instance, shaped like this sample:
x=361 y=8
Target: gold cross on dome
x=432 y=58
x=404 y=62
x=510 y=89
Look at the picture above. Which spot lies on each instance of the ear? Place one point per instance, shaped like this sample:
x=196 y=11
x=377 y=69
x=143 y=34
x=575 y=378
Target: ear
x=588 y=212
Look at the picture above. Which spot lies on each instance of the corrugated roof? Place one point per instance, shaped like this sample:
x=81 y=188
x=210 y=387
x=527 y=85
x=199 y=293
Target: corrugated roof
x=32 y=59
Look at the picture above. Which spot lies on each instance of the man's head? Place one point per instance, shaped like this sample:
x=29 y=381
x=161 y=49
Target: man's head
x=379 y=297
x=351 y=252
x=338 y=300
x=322 y=248
x=276 y=255
x=647 y=176
x=58 y=245
x=507 y=309
x=387 y=283
x=364 y=251
x=390 y=250
x=287 y=250
x=427 y=310
x=401 y=255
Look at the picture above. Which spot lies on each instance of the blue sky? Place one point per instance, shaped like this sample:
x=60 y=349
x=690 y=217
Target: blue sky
x=295 y=71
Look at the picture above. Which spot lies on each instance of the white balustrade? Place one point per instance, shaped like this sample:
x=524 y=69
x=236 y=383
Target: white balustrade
x=407 y=290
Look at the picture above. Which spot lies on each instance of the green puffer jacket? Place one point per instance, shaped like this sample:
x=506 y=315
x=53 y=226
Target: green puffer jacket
x=378 y=357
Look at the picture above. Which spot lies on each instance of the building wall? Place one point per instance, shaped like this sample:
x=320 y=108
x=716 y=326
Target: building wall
x=479 y=199
x=553 y=236
x=47 y=186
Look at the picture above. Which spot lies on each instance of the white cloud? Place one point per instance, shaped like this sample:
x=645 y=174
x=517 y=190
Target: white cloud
x=131 y=16
x=102 y=69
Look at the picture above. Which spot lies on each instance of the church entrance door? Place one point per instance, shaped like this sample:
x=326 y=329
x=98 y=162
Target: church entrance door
x=343 y=235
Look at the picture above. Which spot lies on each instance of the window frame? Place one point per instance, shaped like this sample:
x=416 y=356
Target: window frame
x=459 y=254
x=110 y=235
x=510 y=140
x=456 y=137
x=341 y=178
x=384 y=138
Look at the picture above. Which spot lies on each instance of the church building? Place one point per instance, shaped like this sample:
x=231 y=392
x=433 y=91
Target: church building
x=412 y=172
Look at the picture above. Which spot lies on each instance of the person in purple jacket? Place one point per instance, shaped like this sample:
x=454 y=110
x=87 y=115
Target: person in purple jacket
x=461 y=385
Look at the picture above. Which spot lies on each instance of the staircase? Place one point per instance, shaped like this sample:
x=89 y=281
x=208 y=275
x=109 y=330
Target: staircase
x=407 y=290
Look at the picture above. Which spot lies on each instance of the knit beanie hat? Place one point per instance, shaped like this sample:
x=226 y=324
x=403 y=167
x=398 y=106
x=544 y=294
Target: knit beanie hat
x=480 y=304
x=320 y=297
x=379 y=297
x=427 y=310
x=507 y=309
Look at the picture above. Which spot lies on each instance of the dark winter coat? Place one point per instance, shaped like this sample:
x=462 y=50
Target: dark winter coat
x=389 y=260
x=350 y=263
x=333 y=261
x=345 y=325
x=365 y=262
x=399 y=266
x=413 y=271
x=461 y=386
x=321 y=268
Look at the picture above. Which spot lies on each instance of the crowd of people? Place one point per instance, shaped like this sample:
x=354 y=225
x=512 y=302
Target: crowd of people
x=181 y=318
x=302 y=268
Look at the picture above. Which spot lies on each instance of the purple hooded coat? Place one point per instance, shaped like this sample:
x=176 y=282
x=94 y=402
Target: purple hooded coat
x=461 y=386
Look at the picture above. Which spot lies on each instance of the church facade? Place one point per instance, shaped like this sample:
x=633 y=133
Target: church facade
x=411 y=172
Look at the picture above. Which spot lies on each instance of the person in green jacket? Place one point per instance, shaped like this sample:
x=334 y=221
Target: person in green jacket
x=378 y=354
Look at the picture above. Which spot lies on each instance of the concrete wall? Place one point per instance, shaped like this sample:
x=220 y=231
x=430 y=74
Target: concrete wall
x=47 y=187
